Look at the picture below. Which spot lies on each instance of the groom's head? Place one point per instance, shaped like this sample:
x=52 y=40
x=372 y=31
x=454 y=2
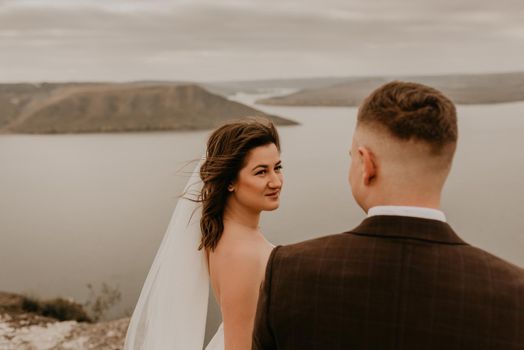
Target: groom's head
x=403 y=146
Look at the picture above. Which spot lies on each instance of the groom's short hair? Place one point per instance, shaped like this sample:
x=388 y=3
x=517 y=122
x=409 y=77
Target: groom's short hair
x=411 y=111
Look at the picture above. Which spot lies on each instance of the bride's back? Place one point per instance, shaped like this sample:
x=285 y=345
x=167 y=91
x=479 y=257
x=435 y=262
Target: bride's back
x=237 y=254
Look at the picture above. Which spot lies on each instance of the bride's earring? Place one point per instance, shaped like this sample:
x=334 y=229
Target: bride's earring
x=230 y=188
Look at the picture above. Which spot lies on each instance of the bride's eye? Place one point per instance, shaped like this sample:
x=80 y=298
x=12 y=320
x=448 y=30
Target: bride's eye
x=261 y=172
x=279 y=168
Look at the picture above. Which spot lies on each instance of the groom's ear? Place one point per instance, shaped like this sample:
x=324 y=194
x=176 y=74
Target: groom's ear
x=369 y=165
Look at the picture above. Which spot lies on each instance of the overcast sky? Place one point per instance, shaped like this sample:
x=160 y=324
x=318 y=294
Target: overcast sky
x=124 y=40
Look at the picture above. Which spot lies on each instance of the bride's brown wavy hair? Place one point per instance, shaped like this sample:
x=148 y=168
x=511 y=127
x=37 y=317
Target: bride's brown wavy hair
x=227 y=149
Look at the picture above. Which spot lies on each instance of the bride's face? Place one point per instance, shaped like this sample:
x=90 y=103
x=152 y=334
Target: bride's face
x=259 y=182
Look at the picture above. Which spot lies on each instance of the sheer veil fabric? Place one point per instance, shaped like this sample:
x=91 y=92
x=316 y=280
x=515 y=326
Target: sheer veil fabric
x=172 y=308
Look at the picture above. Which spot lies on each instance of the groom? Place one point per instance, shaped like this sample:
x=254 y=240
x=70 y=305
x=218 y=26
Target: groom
x=402 y=279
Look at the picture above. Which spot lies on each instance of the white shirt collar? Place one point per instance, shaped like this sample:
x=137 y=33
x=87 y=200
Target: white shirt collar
x=417 y=212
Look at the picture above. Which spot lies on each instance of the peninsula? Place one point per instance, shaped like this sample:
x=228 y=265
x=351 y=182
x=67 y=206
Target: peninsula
x=461 y=88
x=116 y=107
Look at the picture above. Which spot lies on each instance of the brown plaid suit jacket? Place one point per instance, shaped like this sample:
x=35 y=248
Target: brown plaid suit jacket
x=391 y=283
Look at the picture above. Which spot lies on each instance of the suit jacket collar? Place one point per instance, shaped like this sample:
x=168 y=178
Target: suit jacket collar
x=389 y=226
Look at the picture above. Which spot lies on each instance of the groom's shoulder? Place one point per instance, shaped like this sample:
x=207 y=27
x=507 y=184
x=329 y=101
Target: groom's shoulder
x=315 y=247
x=495 y=265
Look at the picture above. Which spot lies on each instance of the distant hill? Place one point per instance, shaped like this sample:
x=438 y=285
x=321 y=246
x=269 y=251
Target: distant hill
x=462 y=89
x=227 y=88
x=104 y=107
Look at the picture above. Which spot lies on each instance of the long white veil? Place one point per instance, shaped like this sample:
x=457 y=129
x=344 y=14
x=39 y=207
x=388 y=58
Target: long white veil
x=172 y=308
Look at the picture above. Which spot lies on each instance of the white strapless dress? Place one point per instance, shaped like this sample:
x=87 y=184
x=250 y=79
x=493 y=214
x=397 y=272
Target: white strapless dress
x=217 y=342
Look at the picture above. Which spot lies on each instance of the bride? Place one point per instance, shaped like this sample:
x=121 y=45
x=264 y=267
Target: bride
x=213 y=238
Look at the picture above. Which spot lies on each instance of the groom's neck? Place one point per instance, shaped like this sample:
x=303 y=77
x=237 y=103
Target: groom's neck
x=422 y=199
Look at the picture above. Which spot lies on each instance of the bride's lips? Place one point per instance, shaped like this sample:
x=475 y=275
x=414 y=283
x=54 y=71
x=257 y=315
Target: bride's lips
x=273 y=195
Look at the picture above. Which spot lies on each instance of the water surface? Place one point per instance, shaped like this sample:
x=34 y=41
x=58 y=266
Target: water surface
x=78 y=209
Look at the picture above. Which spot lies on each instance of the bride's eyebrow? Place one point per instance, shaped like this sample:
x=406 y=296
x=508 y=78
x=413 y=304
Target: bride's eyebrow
x=260 y=166
x=264 y=166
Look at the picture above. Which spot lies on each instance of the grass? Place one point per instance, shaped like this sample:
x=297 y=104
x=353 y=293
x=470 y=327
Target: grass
x=62 y=309
x=58 y=308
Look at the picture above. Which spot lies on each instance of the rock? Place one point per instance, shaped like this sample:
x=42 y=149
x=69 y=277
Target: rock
x=20 y=330
x=42 y=334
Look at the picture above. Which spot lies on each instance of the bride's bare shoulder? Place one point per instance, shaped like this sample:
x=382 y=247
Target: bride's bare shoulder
x=233 y=251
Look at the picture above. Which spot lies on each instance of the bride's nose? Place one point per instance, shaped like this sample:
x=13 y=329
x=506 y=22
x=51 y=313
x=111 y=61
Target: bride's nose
x=275 y=181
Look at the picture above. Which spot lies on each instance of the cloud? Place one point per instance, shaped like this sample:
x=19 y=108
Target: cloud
x=137 y=35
